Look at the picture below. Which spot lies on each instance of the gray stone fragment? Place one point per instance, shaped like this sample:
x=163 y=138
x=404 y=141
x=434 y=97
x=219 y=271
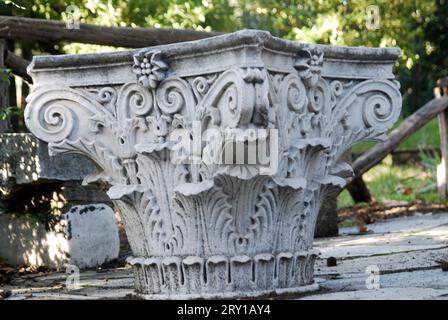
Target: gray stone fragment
x=86 y=236
x=25 y=159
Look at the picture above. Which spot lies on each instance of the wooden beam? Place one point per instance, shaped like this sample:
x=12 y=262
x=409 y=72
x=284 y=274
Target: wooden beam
x=4 y=89
x=17 y=65
x=359 y=191
x=410 y=125
x=442 y=169
x=56 y=31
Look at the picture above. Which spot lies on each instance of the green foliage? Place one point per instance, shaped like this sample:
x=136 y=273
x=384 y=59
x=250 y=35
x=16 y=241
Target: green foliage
x=37 y=218
x=8 y=112
x=418 y=27
x=218 y=15
x=409 y=183
x=429 y=162
x=413 y=182
x=425 y=138
x=5 y=75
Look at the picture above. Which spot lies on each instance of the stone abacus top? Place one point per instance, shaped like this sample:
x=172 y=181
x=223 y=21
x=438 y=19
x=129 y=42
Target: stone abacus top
x=254 y=47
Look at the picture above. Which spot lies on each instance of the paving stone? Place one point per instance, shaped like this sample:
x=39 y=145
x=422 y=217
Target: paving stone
x=383 y=294
x=391 y=236
x=85 y=236
x=413 y=274
x=414 y=260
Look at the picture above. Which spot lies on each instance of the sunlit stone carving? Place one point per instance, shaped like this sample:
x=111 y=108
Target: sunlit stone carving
x=236 y=226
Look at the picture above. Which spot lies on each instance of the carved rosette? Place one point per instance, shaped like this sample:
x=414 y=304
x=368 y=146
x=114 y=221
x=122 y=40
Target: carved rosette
x=202 y=229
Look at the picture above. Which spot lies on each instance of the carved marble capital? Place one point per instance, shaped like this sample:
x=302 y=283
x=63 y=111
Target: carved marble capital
x=233 y=227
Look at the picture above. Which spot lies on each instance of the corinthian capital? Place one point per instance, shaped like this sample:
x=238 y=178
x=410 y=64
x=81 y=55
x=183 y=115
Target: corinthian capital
x=219 y=152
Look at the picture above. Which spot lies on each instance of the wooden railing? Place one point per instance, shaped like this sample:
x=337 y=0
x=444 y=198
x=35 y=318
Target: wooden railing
x=57 y=31
x=50 y=31
x=434 y=108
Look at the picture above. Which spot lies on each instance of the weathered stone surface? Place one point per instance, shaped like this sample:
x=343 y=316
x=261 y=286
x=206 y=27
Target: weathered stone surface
x=199 y=224
x=23 y=241
x=24 y=159
x=86 y=236
x=391 y=236
x=406 y=253
x=384 y=294
x=55 y=197
x=387 y=263
x=92 y=235
x=33 y=182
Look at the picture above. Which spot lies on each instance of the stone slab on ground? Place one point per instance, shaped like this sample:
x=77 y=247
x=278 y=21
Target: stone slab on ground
x=406 y=253
x=403 y=234
x=384 y=294
x=434 y=279
x=406 y=271
x=388 y=263
x=26 y=159
x=92 y=234
x=85 y=236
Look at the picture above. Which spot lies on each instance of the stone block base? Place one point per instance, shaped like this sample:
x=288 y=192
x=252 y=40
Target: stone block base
x=85 y=236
